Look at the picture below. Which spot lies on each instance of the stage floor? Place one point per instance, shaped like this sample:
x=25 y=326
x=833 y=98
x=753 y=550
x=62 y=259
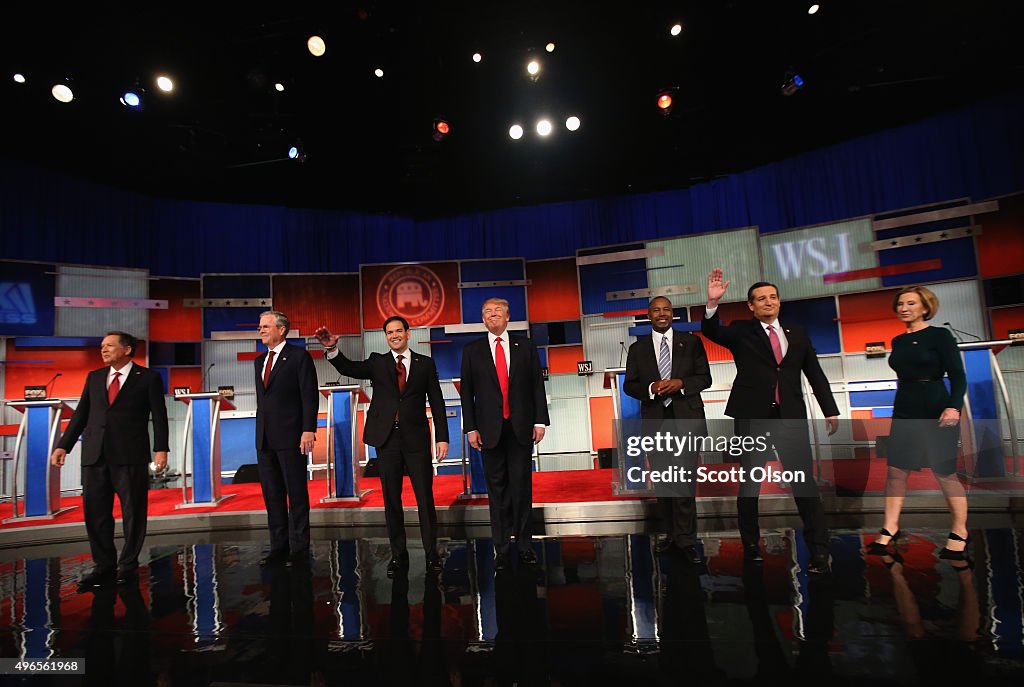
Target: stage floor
x=594 y=610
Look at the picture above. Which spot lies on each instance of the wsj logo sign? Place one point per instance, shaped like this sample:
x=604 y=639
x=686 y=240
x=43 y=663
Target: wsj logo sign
x=16 y=305
x=812 y=257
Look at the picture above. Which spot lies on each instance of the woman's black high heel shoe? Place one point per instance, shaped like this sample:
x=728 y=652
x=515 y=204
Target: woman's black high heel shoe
x=877 y=549
x=950 y=555
x=895 y=556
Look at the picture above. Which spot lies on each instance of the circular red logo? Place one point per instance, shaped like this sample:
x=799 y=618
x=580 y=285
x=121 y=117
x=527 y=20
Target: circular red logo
x=412 y=291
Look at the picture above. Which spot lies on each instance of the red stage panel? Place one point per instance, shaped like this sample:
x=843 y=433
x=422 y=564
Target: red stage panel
x=312 y=300
x=553 y=294
x=1005 y=319
x=602 y=418
x=563 y=359
x=1002 y=239
x=177 y=323
x=425 y=294
x=867 y=317
x=73 y=364
x=886 y=271
x=192 y=377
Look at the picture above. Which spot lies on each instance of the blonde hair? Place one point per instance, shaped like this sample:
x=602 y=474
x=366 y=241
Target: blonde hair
x=928 y=298
x=497 y=301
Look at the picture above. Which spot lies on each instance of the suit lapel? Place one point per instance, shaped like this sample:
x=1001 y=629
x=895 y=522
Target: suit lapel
x=485 y=351
x=678 y=353
x=278 y=364
x=762 y=336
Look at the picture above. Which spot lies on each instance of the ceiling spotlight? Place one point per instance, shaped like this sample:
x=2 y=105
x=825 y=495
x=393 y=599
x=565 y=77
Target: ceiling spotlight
x=665 y=100
x=379 y=73
x=813 y=9
x=441 y=129
x=316 y=46
x=533 y=69
x=515 y=132
x=19 y=78
x=132 y=99
x=793 y=83
x=62 y=93
x=676 y=29
x=297 y=153
x=477 y=57
x=279 y=87
x=543 y=127
x=572 y=123
x=165 y=84
x=550 y=47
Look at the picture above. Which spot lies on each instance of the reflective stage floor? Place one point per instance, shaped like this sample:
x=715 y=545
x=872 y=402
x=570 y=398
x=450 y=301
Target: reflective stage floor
x=594 y=610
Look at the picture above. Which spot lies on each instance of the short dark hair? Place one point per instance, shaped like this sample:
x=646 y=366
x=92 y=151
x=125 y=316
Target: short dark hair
x=757 y=285
x=395 y=318
x=660 y=298
x=127 y=340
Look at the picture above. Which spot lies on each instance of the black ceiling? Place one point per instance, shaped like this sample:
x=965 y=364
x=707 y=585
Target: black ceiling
x=868 y=65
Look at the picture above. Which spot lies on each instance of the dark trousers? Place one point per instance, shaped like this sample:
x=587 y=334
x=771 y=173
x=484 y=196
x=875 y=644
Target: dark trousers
x=100 y=482
x=286 y=496
x=395 y=459
x=678 y=513
x=508 y=468
x=791 y=441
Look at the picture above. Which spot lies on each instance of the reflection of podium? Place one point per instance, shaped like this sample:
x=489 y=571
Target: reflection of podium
x=39 y=427
x=625 y=407
x=342 y=456
x=201 y=441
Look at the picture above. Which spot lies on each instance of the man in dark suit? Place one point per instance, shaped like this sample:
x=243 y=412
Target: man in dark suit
x=504 y=413
x=769 y=359
x=396 y=424
x=666 y=372
x=114 y=413
x=287 y=402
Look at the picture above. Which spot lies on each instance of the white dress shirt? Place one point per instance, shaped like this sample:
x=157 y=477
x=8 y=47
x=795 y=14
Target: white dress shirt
x=123 y=372
x=491 y=339
x=656 y=340
x=277 y=355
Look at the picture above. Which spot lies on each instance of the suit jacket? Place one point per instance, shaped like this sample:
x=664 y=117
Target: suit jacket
x=757 y=374
x=422 y=382
x=289 y=404
x=119 y=431
x=482 y=407
x=689 y=363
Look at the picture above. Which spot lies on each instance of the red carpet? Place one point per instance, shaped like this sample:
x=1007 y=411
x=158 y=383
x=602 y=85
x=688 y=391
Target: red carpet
x=853 y=477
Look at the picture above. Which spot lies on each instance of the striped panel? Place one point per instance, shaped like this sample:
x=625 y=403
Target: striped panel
x=797 y=260
x=103 y=283
x=603 y=337
x=688 y=260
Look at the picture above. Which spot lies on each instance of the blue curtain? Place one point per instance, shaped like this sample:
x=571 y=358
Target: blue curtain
x=977 y=152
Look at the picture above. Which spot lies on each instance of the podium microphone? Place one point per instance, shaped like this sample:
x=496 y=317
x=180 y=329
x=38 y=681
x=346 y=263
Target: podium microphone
x=52 y=380
x=622 y=345
x=957 y=332
x=206 y=376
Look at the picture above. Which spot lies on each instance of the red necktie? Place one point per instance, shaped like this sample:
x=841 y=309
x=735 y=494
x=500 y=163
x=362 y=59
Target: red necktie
x=400 y=369
x=266 y=370
x=502 y=368
x=773 y=338
x=115 y=386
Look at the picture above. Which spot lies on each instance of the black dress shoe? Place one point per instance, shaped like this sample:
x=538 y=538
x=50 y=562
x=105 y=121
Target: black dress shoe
x=663 y=545
x=396 y=565
x=690 y=555
x=434 y=565
x=274 y=558
x=500 y=562
x=752 y=554
x=299 y=560
x=96 y=579
x=819 y=564
x=127 y=577
x=528 y=556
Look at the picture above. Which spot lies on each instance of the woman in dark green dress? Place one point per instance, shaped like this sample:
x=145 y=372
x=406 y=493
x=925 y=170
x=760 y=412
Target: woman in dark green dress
x=922 y=357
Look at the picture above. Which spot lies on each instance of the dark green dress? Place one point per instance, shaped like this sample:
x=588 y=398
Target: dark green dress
x=921 y=360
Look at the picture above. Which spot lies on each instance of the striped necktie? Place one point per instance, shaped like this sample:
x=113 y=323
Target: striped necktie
x=665 y=365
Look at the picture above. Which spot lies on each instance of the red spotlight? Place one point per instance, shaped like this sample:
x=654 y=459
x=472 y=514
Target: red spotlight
x=441 y=129
x=665 y=101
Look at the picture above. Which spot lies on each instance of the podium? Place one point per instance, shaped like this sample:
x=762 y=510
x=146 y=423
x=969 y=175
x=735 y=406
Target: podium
x=201 y=443
x=342 y=455
x=982 y=437
x=625 y=408
x=40 y=425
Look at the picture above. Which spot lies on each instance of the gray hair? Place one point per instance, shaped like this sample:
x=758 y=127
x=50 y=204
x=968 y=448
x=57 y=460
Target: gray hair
x=280 y=319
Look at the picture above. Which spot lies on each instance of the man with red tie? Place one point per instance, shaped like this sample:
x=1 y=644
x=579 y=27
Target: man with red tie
x=114 y=413
x=287 y=402
x=504 y=413
x=396 y=424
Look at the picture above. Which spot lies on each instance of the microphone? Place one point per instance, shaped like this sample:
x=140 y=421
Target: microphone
x=622 y=345
x=52 y=380
x=206 y=376
x=957 y=332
